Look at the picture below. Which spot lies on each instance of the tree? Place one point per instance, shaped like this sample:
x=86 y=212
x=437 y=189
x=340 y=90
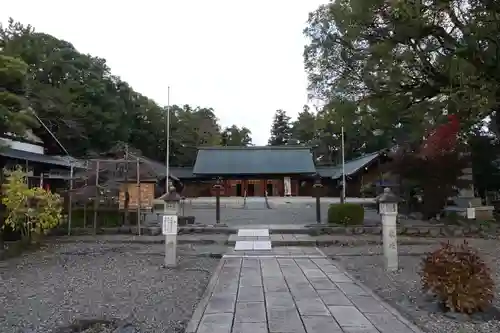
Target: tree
x=408 y=63
x=304 y=128
x=89 y=109
x=15 y=116
x=235 y=136
x=484 y=156
x=281 y=131
x=435 y=166
x=29 y=209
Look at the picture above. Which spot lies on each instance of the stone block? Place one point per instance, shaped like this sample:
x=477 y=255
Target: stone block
x=250 y=294
x=312 y=307
x=351 y=289
x=314 y=273
x=284 y=320
x=321 y=324
x=279 y=300
x=250 y=312
x=221 y=303
x=368 y=304
x=216 y=322
x=349 y=316
x=386 y=322
x=251 y=280
x=322 y=283
x=251 y=263
x=275 y=285
x=339 y=277
x=249 y=328
x=303 y=292
x=334 y=297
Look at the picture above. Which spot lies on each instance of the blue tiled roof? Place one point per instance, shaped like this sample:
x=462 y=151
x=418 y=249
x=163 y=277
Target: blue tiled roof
x=265 y=160
x=351 y=167
x=39 y=158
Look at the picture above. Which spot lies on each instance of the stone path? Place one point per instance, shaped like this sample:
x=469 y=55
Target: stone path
x=252 y=239
x=290 y=290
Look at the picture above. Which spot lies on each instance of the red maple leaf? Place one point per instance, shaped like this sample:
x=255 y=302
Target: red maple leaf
x=442 y=139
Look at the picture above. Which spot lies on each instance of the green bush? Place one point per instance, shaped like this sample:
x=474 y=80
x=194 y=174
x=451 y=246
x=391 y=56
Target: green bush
x=346 y=214
x=106 y=218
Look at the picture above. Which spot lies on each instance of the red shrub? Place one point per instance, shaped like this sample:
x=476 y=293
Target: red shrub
x=458 y=277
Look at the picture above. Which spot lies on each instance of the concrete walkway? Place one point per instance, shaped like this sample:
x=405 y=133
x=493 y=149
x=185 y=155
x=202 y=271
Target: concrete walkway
x=290 y=290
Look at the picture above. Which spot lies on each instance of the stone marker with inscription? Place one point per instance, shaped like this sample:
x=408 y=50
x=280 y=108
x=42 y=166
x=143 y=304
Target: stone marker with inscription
x=388 y=205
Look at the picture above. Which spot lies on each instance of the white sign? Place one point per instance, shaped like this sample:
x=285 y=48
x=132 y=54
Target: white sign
x=287 y=185
x=169 y=226
x=471 y=213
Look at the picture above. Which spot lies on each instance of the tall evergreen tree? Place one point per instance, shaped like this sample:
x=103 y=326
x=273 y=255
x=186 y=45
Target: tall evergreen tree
x=281 y=129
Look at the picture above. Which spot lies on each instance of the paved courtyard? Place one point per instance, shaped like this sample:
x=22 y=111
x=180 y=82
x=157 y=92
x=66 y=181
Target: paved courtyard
x=234 y=214
x=289 y=290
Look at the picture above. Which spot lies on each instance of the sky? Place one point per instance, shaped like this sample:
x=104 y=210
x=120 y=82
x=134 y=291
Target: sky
x=244 y=59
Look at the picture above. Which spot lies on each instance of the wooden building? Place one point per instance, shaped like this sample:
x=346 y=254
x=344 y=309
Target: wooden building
x=257 y=171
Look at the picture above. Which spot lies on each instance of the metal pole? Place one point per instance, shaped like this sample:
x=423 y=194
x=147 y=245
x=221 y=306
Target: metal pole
x=97 y=197
x=139 y=196
x=167 y=133
x=126 y=192
x=343 y=163
x=317 y=188
x=70 y=197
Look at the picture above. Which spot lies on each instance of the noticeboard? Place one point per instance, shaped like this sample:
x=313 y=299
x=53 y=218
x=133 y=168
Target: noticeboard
x=169 y=225
x=142 y=195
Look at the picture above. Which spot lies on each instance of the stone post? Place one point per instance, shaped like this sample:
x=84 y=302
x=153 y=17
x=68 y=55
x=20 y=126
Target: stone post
x=169 y=226
x=217 y=188
x=388 y=207
x=317 y=192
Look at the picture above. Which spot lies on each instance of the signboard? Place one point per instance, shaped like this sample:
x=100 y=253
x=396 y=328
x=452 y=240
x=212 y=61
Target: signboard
x=471 y=213
x=142 y=195
x=169 y=225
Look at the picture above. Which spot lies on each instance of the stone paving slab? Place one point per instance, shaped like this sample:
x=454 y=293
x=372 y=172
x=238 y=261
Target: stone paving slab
x=291 y=294
x=254 y=232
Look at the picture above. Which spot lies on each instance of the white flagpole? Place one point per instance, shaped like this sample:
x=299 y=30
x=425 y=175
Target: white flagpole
x=167 y=133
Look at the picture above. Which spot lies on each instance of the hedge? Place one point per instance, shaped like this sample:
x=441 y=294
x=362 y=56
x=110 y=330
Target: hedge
x=346 y=214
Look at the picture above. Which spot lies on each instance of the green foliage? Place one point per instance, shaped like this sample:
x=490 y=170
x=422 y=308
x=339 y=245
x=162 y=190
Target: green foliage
x=29 y=209
x=453 y=218
x=346 y=214
x=484 y=153
x=281 y=131
x=88 y=108
x=235 y=136
x=458 y=277
x=402 y=63
x=106 y=218
x=13 y=107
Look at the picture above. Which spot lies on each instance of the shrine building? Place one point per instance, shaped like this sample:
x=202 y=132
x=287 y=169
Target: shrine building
x=274 y=171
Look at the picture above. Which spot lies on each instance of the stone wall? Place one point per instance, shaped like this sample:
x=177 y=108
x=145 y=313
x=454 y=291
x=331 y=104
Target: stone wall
x=486 y=230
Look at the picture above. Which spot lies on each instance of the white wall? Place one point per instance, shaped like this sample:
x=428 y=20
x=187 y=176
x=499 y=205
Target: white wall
x=23 y=146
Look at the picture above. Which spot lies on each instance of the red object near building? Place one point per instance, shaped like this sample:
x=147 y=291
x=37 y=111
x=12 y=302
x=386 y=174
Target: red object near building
x=443 y=139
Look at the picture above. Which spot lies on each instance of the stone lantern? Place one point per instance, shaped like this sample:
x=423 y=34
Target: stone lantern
x=168 y=205
x=388 y=209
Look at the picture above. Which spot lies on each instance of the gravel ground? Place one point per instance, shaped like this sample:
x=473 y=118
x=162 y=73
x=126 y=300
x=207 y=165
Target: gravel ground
x=403 y=289
x=52 y=288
